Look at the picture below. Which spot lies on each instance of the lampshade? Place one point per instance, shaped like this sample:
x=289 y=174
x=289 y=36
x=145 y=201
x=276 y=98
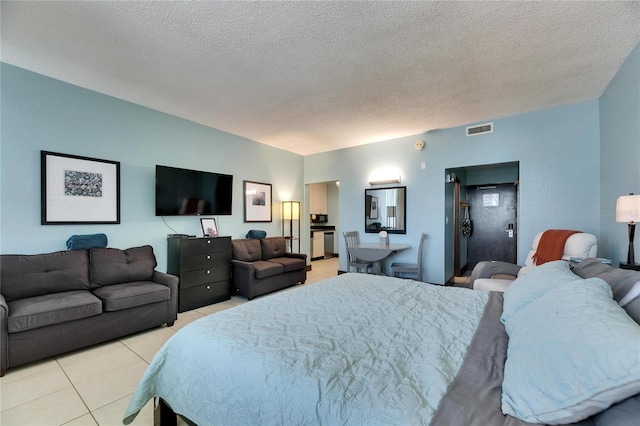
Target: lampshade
x=291 y=210
x=628 y=208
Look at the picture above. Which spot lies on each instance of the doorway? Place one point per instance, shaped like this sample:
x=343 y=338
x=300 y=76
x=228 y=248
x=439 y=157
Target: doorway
x=323 y=218
x=488 y=195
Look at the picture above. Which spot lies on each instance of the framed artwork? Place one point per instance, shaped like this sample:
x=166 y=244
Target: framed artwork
x=373 y=214
x=209 y=227
x=257 y=202
x=78 y=190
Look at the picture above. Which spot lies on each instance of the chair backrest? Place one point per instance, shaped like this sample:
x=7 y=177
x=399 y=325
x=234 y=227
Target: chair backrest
x=420 y=250
x=351 y=238
x=577 y=245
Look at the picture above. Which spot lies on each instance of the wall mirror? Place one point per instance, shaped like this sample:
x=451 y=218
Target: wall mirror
x=385 y=209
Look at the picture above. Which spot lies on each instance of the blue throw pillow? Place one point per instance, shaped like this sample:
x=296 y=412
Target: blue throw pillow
x=572 y=353
x=535 y=283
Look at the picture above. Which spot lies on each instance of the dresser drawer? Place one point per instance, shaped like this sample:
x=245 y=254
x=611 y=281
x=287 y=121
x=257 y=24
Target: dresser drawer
x=203 y=295
x=205 y=276
x=204 y=261
x=190 y=247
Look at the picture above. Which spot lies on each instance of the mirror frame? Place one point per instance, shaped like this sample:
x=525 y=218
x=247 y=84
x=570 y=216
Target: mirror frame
x=367 y=210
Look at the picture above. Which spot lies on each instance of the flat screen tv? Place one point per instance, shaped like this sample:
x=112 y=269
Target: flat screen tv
x=183 y=192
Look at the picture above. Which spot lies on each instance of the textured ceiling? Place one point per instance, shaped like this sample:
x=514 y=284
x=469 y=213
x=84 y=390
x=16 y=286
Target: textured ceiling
x=311 y=77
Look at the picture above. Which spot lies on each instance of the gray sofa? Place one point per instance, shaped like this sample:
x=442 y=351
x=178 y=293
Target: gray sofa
x=262 y=266
x=58 y=302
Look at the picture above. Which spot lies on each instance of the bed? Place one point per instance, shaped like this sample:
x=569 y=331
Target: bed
x=372 y=350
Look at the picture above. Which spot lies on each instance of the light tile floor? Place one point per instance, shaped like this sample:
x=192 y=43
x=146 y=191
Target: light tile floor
x=92 y=386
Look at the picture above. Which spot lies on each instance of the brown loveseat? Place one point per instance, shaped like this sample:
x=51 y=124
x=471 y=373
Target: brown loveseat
x=261 y=266
x=58 y=302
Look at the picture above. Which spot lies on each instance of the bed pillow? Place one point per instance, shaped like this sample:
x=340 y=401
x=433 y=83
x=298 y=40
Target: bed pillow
x=535 y=283
x=572 y=353
x=620 y=280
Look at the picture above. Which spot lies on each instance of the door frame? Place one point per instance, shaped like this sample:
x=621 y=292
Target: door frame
x=467 y=175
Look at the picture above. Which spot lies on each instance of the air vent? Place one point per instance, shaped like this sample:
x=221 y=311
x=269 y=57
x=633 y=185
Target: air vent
x=480 y=130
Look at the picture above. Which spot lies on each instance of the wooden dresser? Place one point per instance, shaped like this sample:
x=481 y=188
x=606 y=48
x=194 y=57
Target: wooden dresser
x=204 y=268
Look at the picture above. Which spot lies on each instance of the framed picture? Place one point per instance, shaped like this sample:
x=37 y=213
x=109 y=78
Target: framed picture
x=209 y=227
x=257 y=202
x=78 y=190
x=373 y=214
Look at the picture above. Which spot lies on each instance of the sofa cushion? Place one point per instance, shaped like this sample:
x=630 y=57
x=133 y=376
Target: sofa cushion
x=248 y=250
x=124 y=296
x=24 y=276
x=273 y=247
x=113 y=266
x=290 y=263
x=50 y=309
x=264 y=269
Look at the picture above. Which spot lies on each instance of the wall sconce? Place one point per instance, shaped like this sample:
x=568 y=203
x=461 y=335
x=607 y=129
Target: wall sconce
x=628 y=210
x=384 y=182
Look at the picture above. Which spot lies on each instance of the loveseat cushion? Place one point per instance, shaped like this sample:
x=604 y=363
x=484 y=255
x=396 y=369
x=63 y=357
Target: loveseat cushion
x=273 y=247
x=264 y=269
x=51 y=309
x=113 y=266
x=248 y=250
x=290 y=263
x=124 y=296
x=25 y=276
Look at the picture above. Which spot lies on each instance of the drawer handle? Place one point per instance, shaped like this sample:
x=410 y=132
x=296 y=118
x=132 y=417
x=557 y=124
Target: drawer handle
x=208 y=241
x=208 y=257
x=208 y=271
x=208 y=287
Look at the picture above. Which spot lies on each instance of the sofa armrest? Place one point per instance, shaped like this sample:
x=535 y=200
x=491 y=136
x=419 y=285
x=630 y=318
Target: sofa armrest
x=244 y=278
x=487 y=269
x=172 y=282
x=4 y=336
x=297 y=255
x=242 y=265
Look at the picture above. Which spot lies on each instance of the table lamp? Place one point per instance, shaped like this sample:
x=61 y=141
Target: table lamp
x=628 y=210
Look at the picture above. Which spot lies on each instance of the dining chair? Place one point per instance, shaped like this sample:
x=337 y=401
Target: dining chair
x=352 y=238
x=398 y=268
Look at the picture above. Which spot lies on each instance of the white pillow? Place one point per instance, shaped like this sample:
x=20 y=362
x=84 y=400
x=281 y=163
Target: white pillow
x=535 y=283
x=572 y=353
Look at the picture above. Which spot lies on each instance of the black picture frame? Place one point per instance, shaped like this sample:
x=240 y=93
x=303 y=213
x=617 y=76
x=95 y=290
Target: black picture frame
x=209 y=227
x=258 y=200
x=78 y=190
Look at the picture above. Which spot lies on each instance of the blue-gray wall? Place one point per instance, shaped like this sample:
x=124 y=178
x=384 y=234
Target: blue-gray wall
x=559 y=155
x=619 y=154
x=40 y=113
x=574 y=162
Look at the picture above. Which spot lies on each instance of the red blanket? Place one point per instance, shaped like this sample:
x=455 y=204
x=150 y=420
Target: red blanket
x=551 y=246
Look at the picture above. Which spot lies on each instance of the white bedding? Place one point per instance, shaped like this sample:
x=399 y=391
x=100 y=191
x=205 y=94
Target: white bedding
x=356 y=348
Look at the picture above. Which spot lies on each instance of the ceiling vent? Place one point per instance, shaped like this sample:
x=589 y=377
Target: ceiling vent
x=480 y=130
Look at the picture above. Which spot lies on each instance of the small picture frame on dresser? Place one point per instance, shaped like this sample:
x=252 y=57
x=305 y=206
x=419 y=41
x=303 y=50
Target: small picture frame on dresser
x=209 y=227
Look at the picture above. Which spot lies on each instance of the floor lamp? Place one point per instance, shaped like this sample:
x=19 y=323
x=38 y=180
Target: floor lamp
x=628 y=210
x=291 y=213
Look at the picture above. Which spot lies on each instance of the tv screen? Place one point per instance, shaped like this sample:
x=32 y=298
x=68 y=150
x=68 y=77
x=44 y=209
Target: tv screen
x=183 y=192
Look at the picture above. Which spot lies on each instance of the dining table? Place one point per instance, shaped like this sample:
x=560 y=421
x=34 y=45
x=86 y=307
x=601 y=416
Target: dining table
x=376 y=253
